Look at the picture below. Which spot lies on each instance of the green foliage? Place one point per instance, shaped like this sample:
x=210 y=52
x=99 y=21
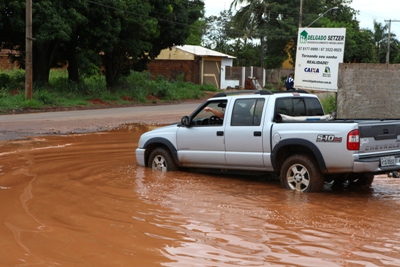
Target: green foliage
x=270 y=86
x=219 y=29
x=196 y=31
x=94 y=85
x=247 y=54
x=31 y=104
x=8 y=101
x=44 y=97
x=274 y=25
x=138 y=87
x=4 y=80
x=12 y=80
x=115 y=36
x=328 y=103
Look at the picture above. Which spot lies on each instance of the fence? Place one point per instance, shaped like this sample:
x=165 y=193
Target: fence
x=235 y=77
x=274 y=76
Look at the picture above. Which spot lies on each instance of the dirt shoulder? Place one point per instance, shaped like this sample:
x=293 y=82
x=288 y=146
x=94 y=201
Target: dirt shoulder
x=53 y=121
x=24 y=125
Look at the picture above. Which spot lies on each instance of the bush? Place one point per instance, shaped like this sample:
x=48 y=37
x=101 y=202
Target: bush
x=4 y=80
x=61 y=92
x=328 y=103
x=12 y=80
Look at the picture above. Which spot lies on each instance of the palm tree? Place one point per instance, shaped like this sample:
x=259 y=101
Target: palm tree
x=380 y=37
x=252 y=20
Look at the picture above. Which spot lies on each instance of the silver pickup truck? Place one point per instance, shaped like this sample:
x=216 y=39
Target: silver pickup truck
x=286 y=133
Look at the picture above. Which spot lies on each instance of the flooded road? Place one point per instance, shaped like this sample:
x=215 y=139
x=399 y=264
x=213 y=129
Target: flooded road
x=81 y=200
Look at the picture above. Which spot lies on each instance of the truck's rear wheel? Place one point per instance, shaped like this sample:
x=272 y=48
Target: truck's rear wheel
x=301 y=173
x=362 y=178
x=161 y=159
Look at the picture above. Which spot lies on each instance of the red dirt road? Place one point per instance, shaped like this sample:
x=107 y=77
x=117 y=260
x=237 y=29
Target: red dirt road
x=81 y=121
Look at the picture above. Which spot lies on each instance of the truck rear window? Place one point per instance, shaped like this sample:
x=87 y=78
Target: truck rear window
x=299 y=106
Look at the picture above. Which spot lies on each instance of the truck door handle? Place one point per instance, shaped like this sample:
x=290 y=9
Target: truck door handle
x=257 y=133
x=220 y=133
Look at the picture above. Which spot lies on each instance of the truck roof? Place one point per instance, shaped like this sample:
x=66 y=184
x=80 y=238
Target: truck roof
x=259 y=92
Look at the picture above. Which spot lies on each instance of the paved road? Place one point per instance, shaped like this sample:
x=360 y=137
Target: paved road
x=64 y=122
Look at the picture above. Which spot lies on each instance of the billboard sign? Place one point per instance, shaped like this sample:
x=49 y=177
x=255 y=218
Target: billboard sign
x=319 y=52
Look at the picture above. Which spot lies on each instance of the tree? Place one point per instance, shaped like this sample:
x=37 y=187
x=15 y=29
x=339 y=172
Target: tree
x=12 y=27
x=379 y=36
x=219 y=32
x=394 y=50
x=196 y=32
x=275 y=24
x=138 y=30
x=253 y=19
x=222 y=35
x=124 y=34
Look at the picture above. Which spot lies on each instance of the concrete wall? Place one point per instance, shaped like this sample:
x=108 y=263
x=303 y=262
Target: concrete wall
x=368 y=91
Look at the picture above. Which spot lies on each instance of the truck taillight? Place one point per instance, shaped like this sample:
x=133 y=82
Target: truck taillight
x=353 y=140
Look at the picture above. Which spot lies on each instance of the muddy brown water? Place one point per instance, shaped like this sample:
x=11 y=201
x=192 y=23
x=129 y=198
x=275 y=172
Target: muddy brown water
x=81 y=200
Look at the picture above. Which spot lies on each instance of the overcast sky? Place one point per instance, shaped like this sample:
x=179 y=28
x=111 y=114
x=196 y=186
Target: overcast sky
x=380 y=10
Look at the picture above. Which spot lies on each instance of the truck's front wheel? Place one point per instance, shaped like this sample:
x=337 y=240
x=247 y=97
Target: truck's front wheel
x=301 y=173
x=161 y=159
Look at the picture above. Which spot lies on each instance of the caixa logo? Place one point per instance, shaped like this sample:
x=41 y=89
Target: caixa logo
x=311 y=70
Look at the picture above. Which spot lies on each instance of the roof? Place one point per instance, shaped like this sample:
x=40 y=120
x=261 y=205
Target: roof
x=202 y=51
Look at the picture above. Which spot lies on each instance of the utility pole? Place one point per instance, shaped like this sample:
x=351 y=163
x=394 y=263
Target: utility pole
x=28 y=50
x=301 y=13
x=388 y=46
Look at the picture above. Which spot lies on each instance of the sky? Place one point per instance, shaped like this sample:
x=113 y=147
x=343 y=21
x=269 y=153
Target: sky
x=380 y=10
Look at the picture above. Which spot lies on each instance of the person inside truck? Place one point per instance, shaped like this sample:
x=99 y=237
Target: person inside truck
x=216 y=112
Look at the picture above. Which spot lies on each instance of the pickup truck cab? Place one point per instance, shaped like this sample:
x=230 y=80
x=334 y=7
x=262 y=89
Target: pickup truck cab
x=286 y=133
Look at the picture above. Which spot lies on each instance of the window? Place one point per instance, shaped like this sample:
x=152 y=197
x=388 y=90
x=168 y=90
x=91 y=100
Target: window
x=247 y=112
x=298 y=106
x=209 y=118
x=313 y=107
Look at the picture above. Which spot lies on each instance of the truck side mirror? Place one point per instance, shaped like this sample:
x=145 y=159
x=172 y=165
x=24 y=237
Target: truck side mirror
x=185 y=121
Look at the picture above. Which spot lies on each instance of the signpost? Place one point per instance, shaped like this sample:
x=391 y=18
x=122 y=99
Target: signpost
x=319 y=52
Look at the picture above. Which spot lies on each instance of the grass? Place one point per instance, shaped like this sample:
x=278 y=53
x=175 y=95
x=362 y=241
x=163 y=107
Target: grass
x=137 y=88
x=328 y=103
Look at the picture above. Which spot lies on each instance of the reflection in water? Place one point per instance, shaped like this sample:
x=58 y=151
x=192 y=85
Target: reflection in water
x=81 y=200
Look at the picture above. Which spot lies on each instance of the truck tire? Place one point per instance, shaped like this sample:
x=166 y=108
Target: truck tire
x=362 y=179
x=301 y=173
x=161 y=159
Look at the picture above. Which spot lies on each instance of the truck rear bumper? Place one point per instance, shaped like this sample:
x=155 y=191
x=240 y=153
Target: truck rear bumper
x=140 y=156
x=373 y=166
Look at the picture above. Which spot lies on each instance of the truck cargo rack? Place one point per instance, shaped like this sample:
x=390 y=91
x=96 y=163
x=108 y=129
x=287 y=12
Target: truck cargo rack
x=256 y=92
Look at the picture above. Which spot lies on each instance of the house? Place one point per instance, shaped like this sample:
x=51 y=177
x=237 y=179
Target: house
x=197 y=64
